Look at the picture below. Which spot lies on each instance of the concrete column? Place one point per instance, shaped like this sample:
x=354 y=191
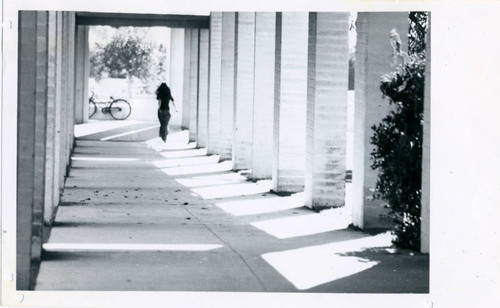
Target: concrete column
x=214 y=83
x=25 y=149
x=193 y=85
x=82 y=75
x=187 y=79
x=202 y=125
x=373 y=59
x=60 y=71
x=40 y=129
x=263 y=104
x=227 y=86
x=32 y=96
x=426 y=152
x=177 y=72
x=65 y=91
x=290 y=102
x=328 y=75
x=244 y=90
x=51 y=114
x=70 y=51
x=58 y=164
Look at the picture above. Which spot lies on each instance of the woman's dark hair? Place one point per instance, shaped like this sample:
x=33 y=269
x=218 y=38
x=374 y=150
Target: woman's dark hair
x=163 y=92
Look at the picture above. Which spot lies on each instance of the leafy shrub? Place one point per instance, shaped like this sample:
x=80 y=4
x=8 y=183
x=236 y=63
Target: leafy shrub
x=398 y=143
x=130 y=53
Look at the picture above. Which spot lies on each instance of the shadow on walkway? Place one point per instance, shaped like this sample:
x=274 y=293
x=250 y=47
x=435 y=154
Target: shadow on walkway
x=144 y=215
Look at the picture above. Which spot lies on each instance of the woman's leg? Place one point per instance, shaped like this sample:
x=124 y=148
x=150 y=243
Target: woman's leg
x=167 y=120
x=164 y=117
x=161 y=118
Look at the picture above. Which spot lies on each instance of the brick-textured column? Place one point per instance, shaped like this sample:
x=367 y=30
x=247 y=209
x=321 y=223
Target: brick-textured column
x=176 y=56
x=65 y=91
x=214 y=82
x=70 y=51
x=328 y=75
x=202 y=125
x=426 y=163
x=40 y=129
x=290 y=102
x=82 y=75
x=60 y=106
x=32 y=97
x=373 y=59
x=187 y=79
x=263 y=105
x=25 y=148
x=244 y=85
x=51 y=122
x=58 y=164
x=227 y=86
x=193 y=85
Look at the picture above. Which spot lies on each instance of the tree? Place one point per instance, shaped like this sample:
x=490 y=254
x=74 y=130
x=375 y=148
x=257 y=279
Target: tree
x=398 y=139
x=128 y=55
x=416 y=34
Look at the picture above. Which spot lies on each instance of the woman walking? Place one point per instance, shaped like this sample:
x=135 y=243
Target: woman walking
x=164 y=97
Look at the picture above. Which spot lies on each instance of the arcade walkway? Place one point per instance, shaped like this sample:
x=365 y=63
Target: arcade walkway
x=137 y=214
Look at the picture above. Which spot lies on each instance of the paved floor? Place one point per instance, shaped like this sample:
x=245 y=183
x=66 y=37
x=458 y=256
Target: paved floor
x=137 y=214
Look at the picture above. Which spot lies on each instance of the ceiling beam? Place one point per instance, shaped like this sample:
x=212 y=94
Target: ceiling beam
x=142 y=20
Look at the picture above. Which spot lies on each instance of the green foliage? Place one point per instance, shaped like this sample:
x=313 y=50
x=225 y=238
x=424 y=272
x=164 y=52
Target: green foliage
x=398 y=146
x=158 y=70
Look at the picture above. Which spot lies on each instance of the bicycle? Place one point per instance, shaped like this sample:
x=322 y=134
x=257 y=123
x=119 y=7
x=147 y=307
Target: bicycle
x=118 y=108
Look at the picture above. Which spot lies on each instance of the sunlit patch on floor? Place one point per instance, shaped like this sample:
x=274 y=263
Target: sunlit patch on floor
x=176 y=140
x=94 y=127
x=107 y=159
x=130 y=132
x=311 y=266
x=211 y=180
x=186 y=153
x=288 y=227
x=208 y=168
x=261 y=206
x=204 y=182
x=231 y=190
x=84 y=247
x=186 y=161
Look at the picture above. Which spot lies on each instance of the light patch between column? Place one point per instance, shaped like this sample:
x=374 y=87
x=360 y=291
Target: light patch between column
x=303 y=225
x=94 y=127
x=93 y=247
x=312 y=266
x=209 y=168
x=262 y=206
x=109 y=159
x=231 y=190
x=186 y=161
x=219 y=179
x=185 y=153
x=130 y=132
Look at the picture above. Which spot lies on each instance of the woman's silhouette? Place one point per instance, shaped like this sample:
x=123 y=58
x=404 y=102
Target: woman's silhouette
x=164 y=97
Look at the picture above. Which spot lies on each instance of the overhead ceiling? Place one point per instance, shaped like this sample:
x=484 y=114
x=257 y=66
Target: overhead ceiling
x=142 y=20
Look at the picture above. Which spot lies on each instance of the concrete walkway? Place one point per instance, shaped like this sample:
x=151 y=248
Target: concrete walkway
x=137 y=214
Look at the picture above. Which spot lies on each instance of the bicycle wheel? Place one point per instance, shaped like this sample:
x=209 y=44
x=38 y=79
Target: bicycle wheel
x=92 y=109
x=120 y=109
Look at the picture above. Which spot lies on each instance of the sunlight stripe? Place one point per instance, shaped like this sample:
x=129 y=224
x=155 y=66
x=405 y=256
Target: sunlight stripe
x=129 y=133
x=94 y=247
